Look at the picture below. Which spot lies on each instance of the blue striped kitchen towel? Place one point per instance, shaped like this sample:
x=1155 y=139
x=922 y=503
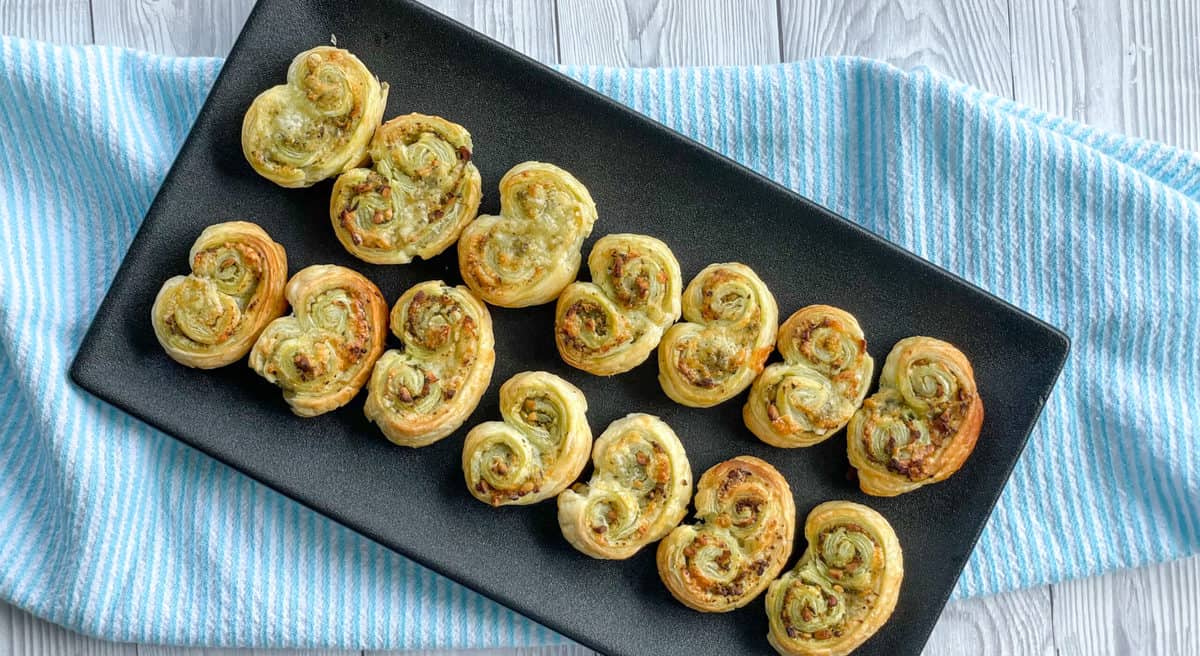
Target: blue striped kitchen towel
x=114 y=529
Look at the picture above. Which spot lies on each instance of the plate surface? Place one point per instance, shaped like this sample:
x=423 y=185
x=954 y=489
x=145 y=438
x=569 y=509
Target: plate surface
x=415 y=501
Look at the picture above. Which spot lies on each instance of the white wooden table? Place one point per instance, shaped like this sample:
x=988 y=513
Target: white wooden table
x=1128 y=65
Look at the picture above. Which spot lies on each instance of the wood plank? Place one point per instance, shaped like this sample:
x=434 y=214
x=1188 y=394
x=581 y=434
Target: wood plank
x=1150 y=610
x=1070 y=70
x=524 y=25
x=171 y=27
x=968 y=40
x=668 y=32
x=1011 y=623
x=59 y=21
x=1124 y=65
x=22 y=634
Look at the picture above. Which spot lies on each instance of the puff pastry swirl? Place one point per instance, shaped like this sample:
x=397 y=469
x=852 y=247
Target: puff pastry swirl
x=639 y=491
x=421 y=191
x=322 y=353
x=612 y=324
x=922 y=424
x=821 y=382
x=318 y=123
x=730 y=323
x=425 y=390
x=538 y=450
x=527 y=254
x=843 y=589
x=211 y=317
x=747 y=524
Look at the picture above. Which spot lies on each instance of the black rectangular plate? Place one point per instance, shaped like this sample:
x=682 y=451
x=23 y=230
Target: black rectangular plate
x=645 y=179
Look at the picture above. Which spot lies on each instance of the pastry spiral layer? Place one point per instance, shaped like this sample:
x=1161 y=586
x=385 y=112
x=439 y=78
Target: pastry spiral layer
x=211 y=317
x=730 y=325
x=527 y=254
x=421 y=191
x=843 y=589
x=318 y=124
x=538 y=450
x=748 y=521
x=639 y=491
x=821 y=382
x=612 y=324
x=921 y=425
x=322 y=353
x=425 y=390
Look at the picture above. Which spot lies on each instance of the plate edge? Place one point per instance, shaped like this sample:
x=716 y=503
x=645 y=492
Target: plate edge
x=79 y=370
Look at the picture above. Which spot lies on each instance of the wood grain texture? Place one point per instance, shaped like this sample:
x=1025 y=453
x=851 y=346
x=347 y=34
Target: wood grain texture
x=1128 y=65
x=1012 y=623
x=524 y=25
x=171 y=27
x=22 y=634
x=1124 y=65
x=1149 y=610
x=60 y=21
x=572 y=650
x=668 y=32
x=968 y=40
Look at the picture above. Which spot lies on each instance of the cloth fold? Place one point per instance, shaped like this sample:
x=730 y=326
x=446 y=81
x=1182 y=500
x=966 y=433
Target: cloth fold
x=114 y=529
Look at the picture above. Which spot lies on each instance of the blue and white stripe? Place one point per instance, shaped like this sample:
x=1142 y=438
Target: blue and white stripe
x=1092 y=231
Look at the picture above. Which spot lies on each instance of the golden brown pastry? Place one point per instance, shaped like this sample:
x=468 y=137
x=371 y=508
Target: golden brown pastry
x=425 y=390
x=612 y=324
x=730 y=324
x=639 y=490
x=530 y=252
x=843 y=589
x=322 y=353
x=419 y=193
x=821 y=382
x=211 y=317
x=747 y=523
x=921 y=425
x=537 y=451
x=318 y=124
